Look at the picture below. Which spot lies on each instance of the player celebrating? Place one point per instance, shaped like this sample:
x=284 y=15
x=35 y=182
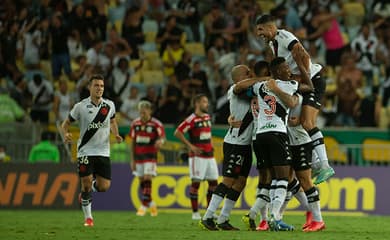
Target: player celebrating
x=148 y=135
x=96 y=117
x=237 y=151
x=285 y=44
x=201 y=160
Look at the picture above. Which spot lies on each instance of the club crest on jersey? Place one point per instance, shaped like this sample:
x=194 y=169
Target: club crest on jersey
x=149 y=129
x=104 y=111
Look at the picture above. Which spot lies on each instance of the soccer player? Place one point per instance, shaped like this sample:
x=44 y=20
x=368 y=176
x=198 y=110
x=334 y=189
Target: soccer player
x=148 y=136
x=261 y=69
x=272 y=140
x=285 y=44
x=301 y=152
x=201 y=160
x=237 y=152
x=96 y=118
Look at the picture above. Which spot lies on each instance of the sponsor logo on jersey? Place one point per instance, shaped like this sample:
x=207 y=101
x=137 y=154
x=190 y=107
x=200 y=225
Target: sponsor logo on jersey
x=97 y=125
x=143 y=139
x=268 y=126
x=205 y=135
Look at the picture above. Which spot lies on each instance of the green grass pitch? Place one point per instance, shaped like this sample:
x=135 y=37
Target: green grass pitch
x=67 y=224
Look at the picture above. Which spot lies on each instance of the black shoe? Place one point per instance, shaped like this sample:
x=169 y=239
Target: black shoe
x=208 y=224
x=249 y=222
x=227 y=226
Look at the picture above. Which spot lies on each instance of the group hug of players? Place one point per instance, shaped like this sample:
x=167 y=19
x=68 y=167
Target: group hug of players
x=269 y=115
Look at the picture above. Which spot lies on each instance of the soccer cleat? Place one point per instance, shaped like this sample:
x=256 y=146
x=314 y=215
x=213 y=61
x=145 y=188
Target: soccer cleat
x=315 y=227
x=141 y=211
x=196 y=216
x=226 y=226
x=279 y=225
x=88 y=222
x=249 y=222
x=315 y=172
x=309 y=219
x=324 y=175
x=208 y=224
x=153 y=211
x=263 y=226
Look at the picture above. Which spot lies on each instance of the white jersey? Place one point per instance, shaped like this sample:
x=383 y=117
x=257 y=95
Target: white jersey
x=282 y=46
x=297 y=134
x=255 y=114
x=272 y=111
x=240 y=109
x=94 y=123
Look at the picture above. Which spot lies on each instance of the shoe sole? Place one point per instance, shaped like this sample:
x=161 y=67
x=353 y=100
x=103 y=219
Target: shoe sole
x=325 y=178
x=246 y=222
x=201 y=225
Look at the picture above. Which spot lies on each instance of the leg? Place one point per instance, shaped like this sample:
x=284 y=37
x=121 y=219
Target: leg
x=86 y=199
x=308 y=120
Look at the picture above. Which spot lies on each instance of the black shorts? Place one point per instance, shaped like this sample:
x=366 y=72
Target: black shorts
x=273 y=147
x=301 y=156
x=237 y=160
x=314 y=98
x=96 y=165
x=260 y=163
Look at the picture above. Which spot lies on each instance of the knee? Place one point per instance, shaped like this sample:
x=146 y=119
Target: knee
x=103 y=187
x=228 y=181
x=307 y=124
x=239 y=184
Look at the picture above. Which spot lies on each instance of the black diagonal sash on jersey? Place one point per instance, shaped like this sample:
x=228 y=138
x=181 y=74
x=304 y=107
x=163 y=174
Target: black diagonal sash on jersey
x=280 y=111
x=246 y=121
x=100 y=117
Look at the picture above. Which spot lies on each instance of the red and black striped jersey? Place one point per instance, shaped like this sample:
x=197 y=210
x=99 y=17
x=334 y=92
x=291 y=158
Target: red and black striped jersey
x=144 y=137
x=199 y=131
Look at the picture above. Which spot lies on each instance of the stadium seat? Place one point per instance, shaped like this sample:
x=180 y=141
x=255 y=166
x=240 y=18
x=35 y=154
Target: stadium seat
x=154 y=60
x=150 y=25
x=150 y=37
x=266 y=5
x=376 y=151
x=151 y=77
x=196 y=49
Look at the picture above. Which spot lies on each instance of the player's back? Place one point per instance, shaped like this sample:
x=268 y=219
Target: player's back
x=240 y=109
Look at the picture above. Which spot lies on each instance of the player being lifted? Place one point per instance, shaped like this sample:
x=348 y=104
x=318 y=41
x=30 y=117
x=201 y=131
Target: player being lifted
x=285 y=44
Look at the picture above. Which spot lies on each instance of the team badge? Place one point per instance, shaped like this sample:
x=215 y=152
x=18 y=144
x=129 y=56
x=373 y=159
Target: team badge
x=149 y=129
x=104 y=111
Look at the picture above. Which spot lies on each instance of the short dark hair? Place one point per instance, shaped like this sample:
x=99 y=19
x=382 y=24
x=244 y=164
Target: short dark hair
x=259 y=66
x=274 y=64
x=96 y=77
x=198 y=97
x=266 y=18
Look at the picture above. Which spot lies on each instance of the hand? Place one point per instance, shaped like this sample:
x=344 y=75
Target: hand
x=68 y=138
x=271 y=84
x=132 y=165
x=159 y=143
x=234 y=123
x=195 y=150
x=118 y=138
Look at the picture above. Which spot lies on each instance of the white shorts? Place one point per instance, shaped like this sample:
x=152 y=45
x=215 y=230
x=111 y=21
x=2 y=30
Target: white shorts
x=203 y=168
x=148 y=168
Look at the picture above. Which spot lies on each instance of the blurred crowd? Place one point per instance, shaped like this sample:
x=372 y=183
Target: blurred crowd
x=166 y=51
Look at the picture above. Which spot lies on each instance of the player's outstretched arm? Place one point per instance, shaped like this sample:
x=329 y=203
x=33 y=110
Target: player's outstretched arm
x=247 y=83
x=289 y=100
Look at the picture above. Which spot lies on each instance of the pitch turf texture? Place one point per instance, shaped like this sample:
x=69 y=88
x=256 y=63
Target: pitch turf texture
x=47 y=224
